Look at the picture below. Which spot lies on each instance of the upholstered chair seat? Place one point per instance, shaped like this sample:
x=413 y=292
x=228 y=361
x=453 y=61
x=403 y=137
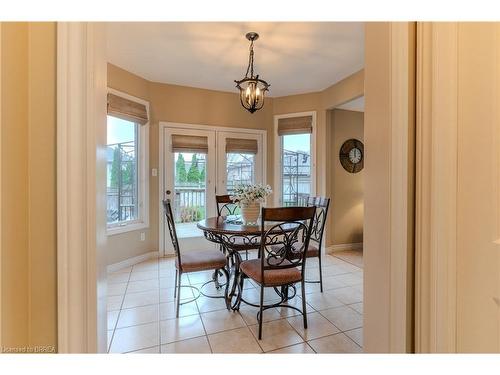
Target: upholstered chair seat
x=201 y=261
x=274 y=277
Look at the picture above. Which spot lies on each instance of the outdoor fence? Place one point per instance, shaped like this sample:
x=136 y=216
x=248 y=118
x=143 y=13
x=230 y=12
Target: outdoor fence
x=189 y=204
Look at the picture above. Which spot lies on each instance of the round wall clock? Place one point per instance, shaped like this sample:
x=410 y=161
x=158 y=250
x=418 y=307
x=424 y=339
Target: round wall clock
x=351 y=155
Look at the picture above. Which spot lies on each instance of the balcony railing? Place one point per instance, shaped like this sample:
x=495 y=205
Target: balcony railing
x=297 y=199
x=189 y=204
x=120 y=207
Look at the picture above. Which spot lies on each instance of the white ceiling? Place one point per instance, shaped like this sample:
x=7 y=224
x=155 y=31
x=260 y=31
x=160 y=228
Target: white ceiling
x=294 y=57
x=357 y=105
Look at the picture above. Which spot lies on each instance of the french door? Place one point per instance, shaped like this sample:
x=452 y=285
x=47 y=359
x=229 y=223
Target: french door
x=197 y=165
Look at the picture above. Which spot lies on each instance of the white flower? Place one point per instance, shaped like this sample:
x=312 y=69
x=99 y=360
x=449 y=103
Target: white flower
x=245 y=194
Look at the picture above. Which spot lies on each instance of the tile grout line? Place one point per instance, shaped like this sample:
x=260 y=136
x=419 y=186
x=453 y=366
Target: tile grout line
x=119 y=312
x=201 y=319
x=159 y=310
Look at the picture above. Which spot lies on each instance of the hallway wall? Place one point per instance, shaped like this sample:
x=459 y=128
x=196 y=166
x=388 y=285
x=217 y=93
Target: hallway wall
x=28 y=191
x=346 y=188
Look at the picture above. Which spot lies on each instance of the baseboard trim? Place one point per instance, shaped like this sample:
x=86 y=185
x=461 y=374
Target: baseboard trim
x=344 y=247
x=131 y=261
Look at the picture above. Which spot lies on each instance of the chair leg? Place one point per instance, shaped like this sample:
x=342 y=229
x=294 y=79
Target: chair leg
x=175 y=283
x=228 y=301
x=304 y=311
x=261 y=310
x=320 y=275
x=178 y=286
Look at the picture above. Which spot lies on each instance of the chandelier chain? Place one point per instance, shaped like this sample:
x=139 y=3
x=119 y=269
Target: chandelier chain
x=250 y=61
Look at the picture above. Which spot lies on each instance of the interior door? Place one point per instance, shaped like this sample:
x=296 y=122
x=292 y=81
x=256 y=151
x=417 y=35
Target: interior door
x=240 y=160
x=189 y=181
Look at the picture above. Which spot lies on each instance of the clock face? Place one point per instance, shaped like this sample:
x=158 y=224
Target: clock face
x=355 y=155
x=351 y=155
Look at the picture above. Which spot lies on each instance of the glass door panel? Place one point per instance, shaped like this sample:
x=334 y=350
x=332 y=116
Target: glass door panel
x=240 y=170
x=190 y=188
x=189 y=180
x=238 y=167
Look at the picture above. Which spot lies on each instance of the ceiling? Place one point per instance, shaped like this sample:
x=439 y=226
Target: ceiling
x=294 y=57
x=357 y=105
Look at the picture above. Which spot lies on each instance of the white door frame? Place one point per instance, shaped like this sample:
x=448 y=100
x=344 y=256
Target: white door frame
x=161 y=163
x=81 y=187
x=277 y=153
x=437 y=87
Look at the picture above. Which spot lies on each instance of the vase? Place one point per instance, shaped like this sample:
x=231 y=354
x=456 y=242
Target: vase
x=250 y=212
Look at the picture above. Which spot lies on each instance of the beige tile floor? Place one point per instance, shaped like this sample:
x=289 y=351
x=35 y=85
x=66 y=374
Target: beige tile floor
x=141 y=313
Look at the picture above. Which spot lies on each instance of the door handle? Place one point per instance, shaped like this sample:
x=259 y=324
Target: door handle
x=168 y=192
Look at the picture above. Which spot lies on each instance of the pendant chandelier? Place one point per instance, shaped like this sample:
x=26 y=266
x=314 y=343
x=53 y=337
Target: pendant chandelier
x=252 y=89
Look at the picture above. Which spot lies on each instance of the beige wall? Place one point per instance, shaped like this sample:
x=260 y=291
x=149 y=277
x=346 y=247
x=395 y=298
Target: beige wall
x=347 y=188
x=181 y=104
x=28 y=199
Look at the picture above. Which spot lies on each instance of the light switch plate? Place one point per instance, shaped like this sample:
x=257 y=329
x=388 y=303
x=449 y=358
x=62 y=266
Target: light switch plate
x=143 y=236
x=154 y=172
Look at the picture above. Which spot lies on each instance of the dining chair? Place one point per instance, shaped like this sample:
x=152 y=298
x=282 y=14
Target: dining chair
x=195 y=261
x=282 y=255
x=316 y=241
x=227 y=207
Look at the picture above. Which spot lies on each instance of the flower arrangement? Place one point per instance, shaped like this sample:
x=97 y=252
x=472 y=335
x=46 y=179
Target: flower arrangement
x=248 y=194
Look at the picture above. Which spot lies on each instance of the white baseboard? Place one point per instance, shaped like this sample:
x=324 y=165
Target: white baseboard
x=344 y=247
x=131 y=261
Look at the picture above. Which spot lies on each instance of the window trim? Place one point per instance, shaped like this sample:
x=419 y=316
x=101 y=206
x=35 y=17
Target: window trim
x=278 y=145
x=142 y=222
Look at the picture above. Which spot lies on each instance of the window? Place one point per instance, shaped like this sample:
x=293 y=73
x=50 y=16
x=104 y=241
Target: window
x=295 y=169
x=126 y=183
x=294 y=149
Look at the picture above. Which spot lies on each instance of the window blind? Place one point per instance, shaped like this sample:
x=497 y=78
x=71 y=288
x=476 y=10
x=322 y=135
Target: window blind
x=241 y=146
x=189 y=143
x=127 y=109
x=295 y=125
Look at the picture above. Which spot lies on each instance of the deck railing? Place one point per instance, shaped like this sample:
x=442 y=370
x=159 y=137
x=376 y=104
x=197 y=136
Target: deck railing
x=189 y=204
x=296 y=199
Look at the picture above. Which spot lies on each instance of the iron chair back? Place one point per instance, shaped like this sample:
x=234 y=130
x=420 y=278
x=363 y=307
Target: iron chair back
x=284 y=244
x=167 y=206
x=320 y=217
x=225 y=205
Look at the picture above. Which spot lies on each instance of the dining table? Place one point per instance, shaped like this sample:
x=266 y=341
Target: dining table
x=235 y=237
